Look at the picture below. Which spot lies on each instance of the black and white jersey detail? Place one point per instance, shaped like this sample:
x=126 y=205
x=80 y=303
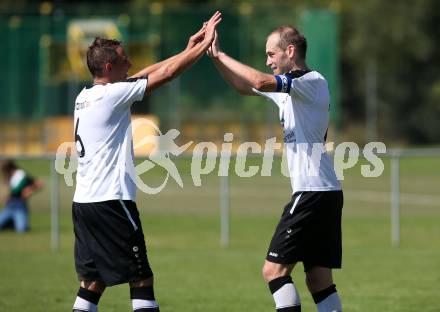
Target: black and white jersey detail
x=104 y=141
x=297 y=73
x=284 y=82
x=134 y=79
x=304 y=116
x=131 y=79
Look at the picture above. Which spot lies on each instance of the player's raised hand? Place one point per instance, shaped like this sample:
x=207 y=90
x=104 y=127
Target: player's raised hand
x=215 y=19
x=196 y=38
x=214 y=48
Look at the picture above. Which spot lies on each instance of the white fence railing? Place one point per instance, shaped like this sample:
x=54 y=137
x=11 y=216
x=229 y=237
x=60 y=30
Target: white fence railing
x=395 y=155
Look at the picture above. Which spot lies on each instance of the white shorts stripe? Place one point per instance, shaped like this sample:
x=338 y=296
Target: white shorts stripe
x=295 y=203
x=128 y=215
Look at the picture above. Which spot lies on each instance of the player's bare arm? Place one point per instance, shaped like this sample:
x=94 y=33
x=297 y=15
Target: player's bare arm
x=234 y=81
x=31 y=189
x=240 y=76
x=171 y=68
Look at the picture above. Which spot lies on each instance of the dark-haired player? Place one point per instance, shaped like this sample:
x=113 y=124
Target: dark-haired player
x=109 y=242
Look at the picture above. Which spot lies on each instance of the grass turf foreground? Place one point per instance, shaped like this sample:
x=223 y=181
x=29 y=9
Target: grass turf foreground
x=193 y=273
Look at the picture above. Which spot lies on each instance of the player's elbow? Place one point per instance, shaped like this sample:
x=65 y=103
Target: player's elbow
x=259 y=84
x=161 y=76
x=261 y=81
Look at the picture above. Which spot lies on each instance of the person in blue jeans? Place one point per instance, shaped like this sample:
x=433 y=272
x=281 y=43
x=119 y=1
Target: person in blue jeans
x=21 y=186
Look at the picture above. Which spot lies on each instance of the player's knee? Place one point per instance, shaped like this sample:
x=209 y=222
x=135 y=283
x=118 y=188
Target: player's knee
x=95 y=286
x=271 y=272
x=310 y=281
x=143 y=283
x=318 y=279
x=265 y=273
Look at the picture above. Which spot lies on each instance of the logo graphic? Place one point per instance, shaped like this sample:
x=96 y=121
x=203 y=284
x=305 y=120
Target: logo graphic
x=160 y=157
x=206 y=155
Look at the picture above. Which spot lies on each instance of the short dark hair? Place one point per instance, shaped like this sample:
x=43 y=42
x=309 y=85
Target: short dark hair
x=101 y=51
x=8 y=168
x=289 y=35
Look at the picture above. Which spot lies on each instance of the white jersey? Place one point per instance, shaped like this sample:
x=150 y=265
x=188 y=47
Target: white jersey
x=103 y=141
x=304 y=115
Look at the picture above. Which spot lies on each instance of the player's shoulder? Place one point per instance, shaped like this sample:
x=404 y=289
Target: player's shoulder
x=128 y=84
x=128 y=81
x=315 y=75
x=92 y=92
x=306 y=75
x=310 y=79
x=135 y=79
x=89 y=94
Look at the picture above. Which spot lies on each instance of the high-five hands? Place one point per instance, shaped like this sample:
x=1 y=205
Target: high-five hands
x=206 y=33
x=214 y=49
x=196 y=38
x=210 y=27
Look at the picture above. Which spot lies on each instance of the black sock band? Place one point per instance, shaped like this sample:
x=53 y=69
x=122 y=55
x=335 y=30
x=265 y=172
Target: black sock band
x=279 y=282
x=144 y=293
x=89 y=295
x=322 y=294
x=290 y=309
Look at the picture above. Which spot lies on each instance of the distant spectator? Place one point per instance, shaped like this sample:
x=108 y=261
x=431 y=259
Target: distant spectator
x=21 y=186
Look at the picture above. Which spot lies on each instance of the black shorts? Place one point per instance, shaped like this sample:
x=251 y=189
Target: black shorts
x=109 y=242
x=309 y=231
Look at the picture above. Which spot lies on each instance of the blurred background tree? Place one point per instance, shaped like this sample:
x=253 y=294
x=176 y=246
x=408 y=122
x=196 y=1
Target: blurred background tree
x=402 y=39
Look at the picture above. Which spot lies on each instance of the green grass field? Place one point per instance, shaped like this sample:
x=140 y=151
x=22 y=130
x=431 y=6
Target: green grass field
x=193 y=273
